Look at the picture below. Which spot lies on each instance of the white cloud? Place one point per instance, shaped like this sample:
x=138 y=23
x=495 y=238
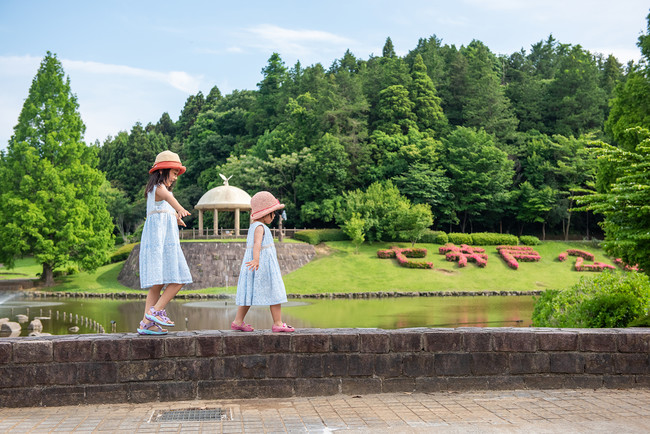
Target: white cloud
x=293 y=42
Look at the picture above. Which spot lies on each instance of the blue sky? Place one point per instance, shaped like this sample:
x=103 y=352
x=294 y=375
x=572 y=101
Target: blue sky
x=130 y=61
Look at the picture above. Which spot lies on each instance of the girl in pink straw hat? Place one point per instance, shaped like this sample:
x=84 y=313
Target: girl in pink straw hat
x=161 y=259
x=260 y=280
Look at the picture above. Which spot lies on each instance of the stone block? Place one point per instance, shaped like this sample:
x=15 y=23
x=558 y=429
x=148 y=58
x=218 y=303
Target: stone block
x=56 y=396
x=489 y=363
x=217 y=367
x=405 y=341
x=194 y=369
x=544 y=381
x=217 y=389
x=599 y=363
x=505 y=382
x=144 y=347
x=529 y=363
x=143 y=392
x=209 y=346
x=263 y=388
x=418 y=364
x=97 y=373
x=513 y=341
x=344 y=342
x=583 y=382
x=619 y=381
x=598 y=342
x=388 y=365
x=452 y=364
x=442 y=341
x=567 y=363
x=431 y=384
x=397 y=385
x=311 y=342
x=361 y=365
x=249 y=366
x=281 y=366
x=184 y=346
x=276 y=343
x=632 y=363
x=27 y=397
x=462 y=384
x=360 y=386
x=56 y=373
x=111 y=349
x=239 y=344
x=557 y=341
x=374 y=342
x=309 y=366
x=32 y=352
x=73 y=350
x=146 y=370
x=106 y=394
x=627 y=343
x=476 y=341
x=335 y=365
x=177 y=391
x=317 y=386
x=17 y=376
x=5 y=352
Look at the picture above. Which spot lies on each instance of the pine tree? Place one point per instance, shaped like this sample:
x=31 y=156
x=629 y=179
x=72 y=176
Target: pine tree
x=49 y=183
x=427 y=104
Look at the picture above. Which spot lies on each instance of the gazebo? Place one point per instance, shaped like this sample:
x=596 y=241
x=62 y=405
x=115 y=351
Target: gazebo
x=223 y=198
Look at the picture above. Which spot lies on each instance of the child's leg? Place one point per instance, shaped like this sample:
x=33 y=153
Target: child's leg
x=276 y=314
x=152 y=298
x=170 y=292
x=241 y=313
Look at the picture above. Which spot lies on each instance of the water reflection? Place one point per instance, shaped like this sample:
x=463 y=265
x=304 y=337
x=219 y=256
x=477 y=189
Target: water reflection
x=62 y=316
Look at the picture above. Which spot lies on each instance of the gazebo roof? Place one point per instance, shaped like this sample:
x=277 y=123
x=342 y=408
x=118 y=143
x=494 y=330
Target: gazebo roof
x=225 y=197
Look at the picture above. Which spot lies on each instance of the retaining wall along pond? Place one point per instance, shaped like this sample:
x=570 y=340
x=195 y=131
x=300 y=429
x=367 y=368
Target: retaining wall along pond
x=118 y=368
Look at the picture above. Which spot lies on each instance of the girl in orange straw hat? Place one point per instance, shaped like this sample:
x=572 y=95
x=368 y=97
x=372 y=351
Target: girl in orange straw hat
x=260 y=280
x=161 y=259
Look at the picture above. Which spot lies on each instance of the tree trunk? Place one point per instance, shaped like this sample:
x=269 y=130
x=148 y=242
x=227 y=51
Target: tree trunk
x=588 y=225
x=500 y=226
x=568 y=222
x=462 y=228
x=47 y=277
x=543 y=231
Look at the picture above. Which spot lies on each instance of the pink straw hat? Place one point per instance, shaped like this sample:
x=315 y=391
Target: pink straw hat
x=168 y=160
x=263 y=203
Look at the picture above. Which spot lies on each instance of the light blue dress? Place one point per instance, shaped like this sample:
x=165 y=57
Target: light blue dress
x=263 y=287
x=161 y=258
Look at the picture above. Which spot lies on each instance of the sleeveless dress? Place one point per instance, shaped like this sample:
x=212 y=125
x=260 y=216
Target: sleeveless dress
x=263 y=287
x=161 y=258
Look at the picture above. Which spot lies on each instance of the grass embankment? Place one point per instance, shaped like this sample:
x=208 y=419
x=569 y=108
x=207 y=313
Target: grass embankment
x=338 y=269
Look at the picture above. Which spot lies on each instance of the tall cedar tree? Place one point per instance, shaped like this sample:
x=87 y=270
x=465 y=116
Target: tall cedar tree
x=49 y=183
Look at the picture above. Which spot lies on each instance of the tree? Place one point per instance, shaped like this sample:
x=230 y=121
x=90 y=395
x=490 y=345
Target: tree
x=480 y=173
x=395 y=111
x=414 y=222
x=50 y=184
x=353 y=228
x=625 y=204
x=427 y=109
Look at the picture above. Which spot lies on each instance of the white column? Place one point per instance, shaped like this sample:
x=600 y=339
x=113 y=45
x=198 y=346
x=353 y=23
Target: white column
x=237 y=222
x=200 y=223
x=216 y=222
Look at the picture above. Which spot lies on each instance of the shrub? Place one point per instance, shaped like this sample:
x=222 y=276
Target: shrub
x=122 y=253
x=511 y=254
x=317 y=236
x=434 y=237
x=529 y=240
x=613 y=299
x=493 y=239
x=402 y=254
x=460 y=238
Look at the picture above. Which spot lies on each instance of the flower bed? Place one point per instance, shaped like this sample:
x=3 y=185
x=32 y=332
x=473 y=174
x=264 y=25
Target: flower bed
x=464 y=253
x=596 y=266
x=402 y=256
x=624 y=266
x=581 y=253
x=513 y=254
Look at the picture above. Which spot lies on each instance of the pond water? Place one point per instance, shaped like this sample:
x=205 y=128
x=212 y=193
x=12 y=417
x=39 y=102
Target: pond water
x=58 y=316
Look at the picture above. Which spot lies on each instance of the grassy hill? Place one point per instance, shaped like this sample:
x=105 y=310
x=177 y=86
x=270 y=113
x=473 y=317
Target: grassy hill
x=338 y=269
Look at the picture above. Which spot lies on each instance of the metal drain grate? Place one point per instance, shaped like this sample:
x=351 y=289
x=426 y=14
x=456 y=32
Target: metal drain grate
x=193 y=415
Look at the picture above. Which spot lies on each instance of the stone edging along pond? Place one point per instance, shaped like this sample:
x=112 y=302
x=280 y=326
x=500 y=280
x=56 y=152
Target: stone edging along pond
x=353 y=295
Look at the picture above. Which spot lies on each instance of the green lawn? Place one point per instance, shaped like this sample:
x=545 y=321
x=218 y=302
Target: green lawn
x=341 y=270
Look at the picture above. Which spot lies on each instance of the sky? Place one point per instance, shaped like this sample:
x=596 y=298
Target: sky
x=131 y=61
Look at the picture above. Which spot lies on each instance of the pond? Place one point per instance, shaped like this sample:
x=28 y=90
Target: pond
x=63 y=316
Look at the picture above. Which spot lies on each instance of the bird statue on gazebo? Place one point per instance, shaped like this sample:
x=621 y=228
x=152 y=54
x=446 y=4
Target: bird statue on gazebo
x=225 y=180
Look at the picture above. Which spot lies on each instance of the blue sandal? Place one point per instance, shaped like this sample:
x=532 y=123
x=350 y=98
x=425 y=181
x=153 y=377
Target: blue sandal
x=154 y=315
x=145 y=329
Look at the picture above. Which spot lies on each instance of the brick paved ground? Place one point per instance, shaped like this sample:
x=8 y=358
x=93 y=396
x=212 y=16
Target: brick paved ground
x=530 y=411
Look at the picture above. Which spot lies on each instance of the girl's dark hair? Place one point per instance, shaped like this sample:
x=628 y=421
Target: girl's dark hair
x=158 y=177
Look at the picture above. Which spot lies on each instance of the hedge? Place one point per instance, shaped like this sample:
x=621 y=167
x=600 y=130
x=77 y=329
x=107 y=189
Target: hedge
x=494 y=239
x=529 y=240
x=122 y=253
x=317 y=236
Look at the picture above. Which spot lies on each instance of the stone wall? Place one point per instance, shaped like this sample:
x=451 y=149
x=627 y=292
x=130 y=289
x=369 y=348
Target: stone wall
x=214 y=264
x=117 y=368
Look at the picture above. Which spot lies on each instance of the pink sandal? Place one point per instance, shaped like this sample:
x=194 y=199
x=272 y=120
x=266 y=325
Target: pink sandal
x=283 y=328
x=243 y=327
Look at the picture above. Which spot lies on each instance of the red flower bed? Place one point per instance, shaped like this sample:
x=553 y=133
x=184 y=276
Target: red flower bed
x=596 y=266
x=463 y=254
x=581 y=253
x=624 y=266
x=402 y=254
x=511 y=254
x=562 y=256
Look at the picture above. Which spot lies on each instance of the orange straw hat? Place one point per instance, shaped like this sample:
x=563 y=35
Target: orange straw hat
x=263 y=203
x=168 y=160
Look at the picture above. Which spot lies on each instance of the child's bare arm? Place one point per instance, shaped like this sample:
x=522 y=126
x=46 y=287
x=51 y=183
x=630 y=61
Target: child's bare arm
x=257 y=247
x=166 y=195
